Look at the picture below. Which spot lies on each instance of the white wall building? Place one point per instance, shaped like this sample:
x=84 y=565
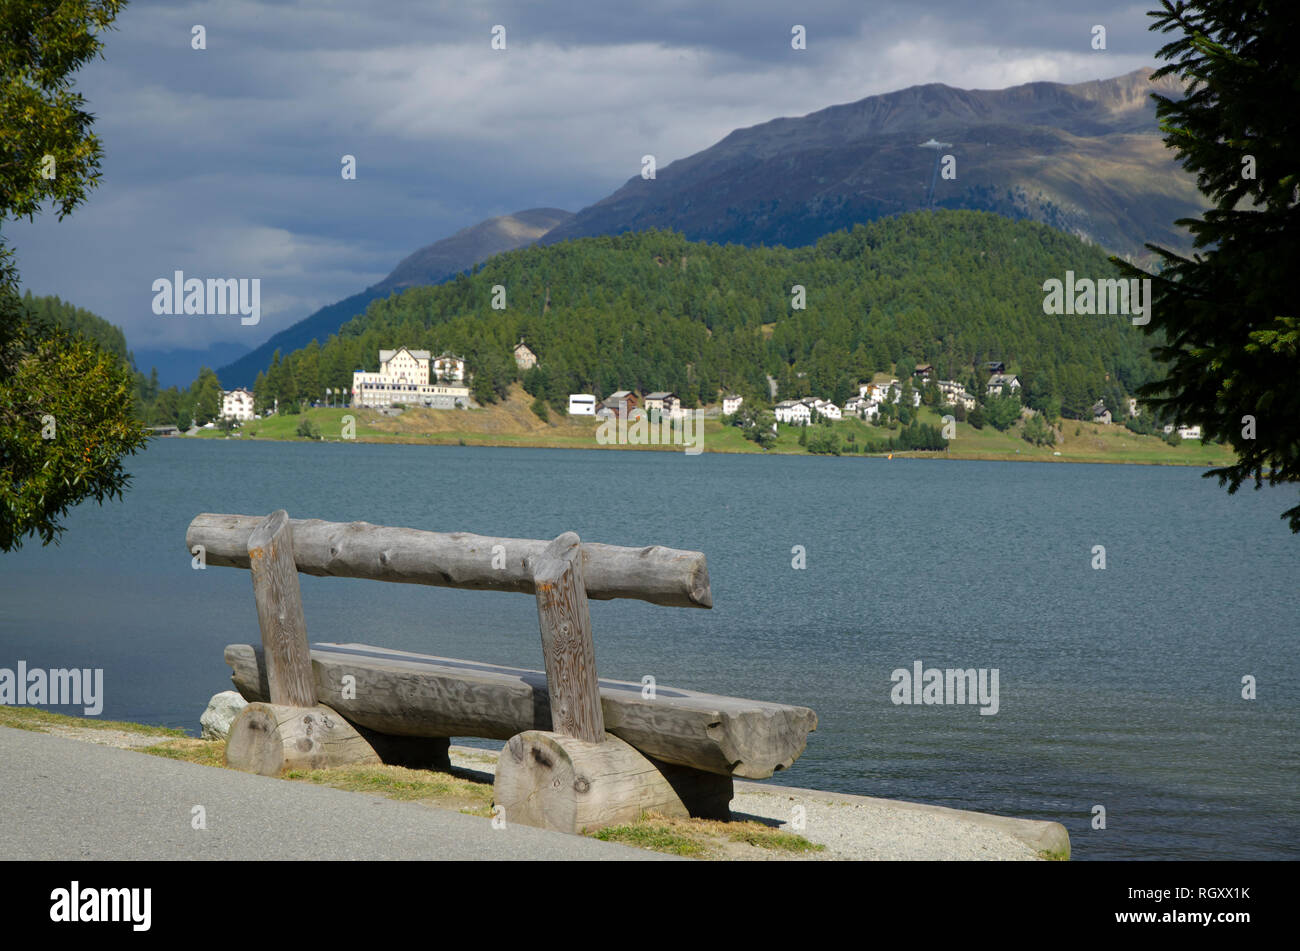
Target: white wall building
x=448 y=368
x=403 y=377
x=731 y=404
x=861 y=407
x=1000 y=381
x=1189 y=432
x=794 y=412
x=237 y=404
x=827 y=409
x=955 y=394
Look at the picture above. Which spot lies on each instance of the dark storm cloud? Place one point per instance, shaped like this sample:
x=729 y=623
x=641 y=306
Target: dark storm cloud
x=225 y=162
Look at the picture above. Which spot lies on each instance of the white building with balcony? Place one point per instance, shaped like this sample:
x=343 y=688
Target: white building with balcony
x=403 y=377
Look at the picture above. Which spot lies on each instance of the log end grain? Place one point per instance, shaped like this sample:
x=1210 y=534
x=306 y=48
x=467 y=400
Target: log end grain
x=268 y=738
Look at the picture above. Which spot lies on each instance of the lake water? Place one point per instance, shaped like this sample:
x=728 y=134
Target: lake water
x=1118 y=687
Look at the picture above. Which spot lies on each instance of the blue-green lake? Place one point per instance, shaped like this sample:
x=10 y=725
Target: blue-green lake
x=1119 y=687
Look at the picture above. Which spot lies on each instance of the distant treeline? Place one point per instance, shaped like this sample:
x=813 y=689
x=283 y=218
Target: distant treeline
x=652 y=311
x=153 y=406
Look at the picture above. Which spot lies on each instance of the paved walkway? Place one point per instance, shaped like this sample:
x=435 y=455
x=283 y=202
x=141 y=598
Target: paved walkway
x=64 y=799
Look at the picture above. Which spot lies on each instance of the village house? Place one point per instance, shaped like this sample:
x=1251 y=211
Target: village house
x=1003 y=381
x=237 y=404
x=582 y=404
x=525 y=359
x=895 y=394
x=403 y=377
x=795 y=412
x=827 y=409
x=862 y=407
x=922 y=371
x=1189 y=432
x=1133 y=407
x=878 y=392
x=731 y=404
x=449 y=368
x=1100 y=414
x=955 y=394
x=664 y=403
x=617 y=404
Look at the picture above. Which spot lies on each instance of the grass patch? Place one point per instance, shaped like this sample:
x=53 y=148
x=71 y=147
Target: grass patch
x=30 y=718
x=190 y=750
x=391 y=782
x=704 y=838
x=654 y=836
x=765 y=837
x=400 y=783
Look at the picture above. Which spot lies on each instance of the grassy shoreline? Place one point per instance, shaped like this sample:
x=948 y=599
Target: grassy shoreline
x=511 y=423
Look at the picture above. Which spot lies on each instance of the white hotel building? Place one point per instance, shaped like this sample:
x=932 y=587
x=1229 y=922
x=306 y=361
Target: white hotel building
x=237 y=404
x=403 y=377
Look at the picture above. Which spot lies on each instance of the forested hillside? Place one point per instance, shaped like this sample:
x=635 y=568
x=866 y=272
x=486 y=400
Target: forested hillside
x=152 y=404
x=651 y=310
x=79 y=322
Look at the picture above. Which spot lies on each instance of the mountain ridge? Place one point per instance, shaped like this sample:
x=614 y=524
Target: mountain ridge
x=1085 y=158
x=431 y=264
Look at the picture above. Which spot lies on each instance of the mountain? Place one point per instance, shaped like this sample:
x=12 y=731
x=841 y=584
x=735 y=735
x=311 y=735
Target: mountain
x=951 y=288
x=1086 y=159
x=180 y=367
x=436 y=262
x=431 y=264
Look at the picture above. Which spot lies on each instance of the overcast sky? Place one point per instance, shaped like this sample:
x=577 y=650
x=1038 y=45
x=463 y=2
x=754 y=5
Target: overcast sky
x=225 y=162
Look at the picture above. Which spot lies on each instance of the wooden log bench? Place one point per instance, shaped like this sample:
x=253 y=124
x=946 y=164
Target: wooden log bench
x=581 y=752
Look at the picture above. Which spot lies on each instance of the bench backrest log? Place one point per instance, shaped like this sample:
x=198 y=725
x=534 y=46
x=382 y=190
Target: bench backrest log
x=562 y=574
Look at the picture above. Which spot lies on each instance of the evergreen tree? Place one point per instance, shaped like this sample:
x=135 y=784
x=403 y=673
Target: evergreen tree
x=1226 y=322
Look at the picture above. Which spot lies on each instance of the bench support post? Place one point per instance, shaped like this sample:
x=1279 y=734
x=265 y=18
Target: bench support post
x=293 y=730
x=567 y=647
x=576 y=776
x=279 y=612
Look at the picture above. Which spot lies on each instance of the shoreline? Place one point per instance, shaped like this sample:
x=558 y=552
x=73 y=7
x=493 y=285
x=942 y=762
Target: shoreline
x=909 y=454
x=839 y=826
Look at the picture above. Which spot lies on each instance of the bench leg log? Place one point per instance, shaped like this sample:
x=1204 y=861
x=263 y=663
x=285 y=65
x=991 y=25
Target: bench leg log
x=558 y=782
x=269 y=738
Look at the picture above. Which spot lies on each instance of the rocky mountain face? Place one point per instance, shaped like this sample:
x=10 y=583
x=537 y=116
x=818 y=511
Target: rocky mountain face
x=1086 y=158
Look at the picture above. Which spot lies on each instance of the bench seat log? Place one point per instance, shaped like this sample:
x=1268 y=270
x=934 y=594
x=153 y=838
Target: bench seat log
x=409 y=694
x=667 y=576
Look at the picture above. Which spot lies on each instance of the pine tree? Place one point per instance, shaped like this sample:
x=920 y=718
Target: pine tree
x=1227 y=315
